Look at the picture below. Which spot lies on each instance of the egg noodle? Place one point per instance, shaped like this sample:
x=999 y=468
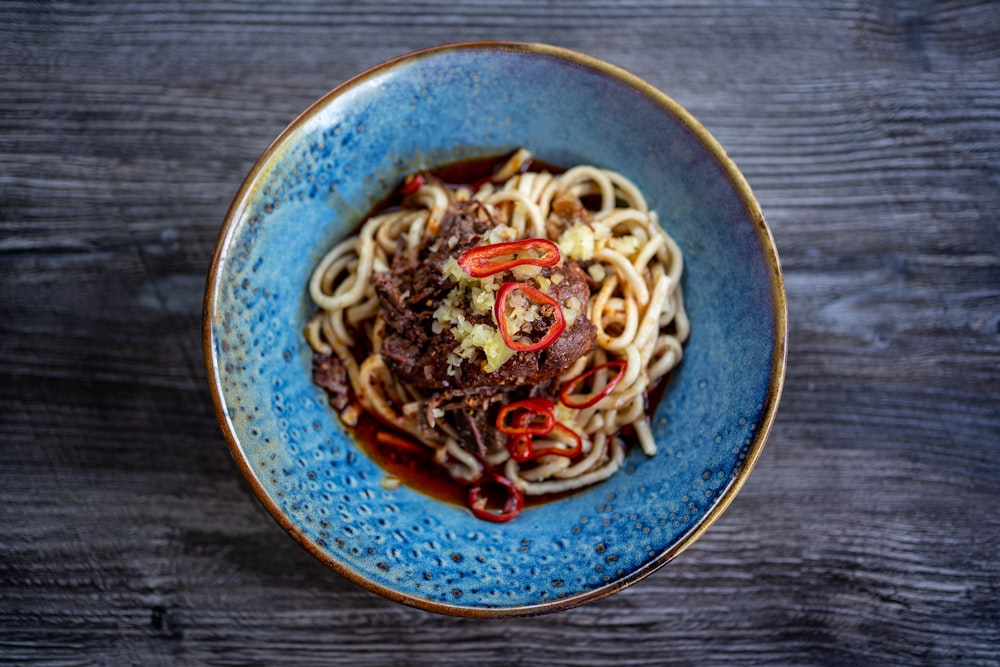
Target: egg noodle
x=638 y=313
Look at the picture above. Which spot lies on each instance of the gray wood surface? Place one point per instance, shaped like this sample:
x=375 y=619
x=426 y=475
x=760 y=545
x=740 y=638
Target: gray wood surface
x=869 y=532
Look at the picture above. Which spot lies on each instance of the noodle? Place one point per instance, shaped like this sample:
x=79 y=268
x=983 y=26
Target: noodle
x=637 y=311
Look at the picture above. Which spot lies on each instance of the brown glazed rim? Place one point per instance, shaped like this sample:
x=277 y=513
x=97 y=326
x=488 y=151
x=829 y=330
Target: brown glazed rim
x=778 y=360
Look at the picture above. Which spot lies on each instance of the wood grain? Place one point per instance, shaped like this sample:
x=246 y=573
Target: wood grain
x=867 y=535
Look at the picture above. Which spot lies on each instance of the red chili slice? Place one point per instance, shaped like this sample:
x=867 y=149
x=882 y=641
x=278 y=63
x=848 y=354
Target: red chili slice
x=411 y=184
x=522 y=417
x=478 y=501
x=486 y=260
x=535 y=296
x=520 y=447
x=575 y=450
x=520 y=421
x=567 y=389
x=520 y=442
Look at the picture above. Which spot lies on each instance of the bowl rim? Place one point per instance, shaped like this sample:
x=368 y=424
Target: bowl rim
x=778 y=357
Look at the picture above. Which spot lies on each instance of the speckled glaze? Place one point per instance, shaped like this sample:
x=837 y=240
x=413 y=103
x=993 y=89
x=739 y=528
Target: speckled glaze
x=311 y=188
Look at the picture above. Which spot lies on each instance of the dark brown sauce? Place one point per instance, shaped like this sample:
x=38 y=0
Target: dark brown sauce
x=414 y=466
x=470 y=172
x=476 y=170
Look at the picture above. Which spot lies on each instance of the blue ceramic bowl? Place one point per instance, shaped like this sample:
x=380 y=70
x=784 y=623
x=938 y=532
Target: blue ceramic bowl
x=311 y=188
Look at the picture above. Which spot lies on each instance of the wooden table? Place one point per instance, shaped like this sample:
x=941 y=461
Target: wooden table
x=868 y=534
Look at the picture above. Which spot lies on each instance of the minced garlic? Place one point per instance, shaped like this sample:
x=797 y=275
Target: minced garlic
x=472 y=337
x=597 y=272
x=479 y=295
x=451 y=270
x=577 y=242
x=499 y=234
x=571 y=310
x=627 y=245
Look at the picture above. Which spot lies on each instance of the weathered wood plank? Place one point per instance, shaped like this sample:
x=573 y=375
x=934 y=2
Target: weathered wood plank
x=868 y=533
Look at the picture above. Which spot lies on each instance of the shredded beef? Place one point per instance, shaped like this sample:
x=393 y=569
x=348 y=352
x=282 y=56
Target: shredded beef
x=411 y=291
x=409 y=294
x=330 y=374
x=471 y=413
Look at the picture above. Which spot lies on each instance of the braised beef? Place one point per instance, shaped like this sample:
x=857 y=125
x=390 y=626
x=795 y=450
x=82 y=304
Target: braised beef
x=412 y=290
x=409 y=294
x=329 y=373
x=472 y=414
